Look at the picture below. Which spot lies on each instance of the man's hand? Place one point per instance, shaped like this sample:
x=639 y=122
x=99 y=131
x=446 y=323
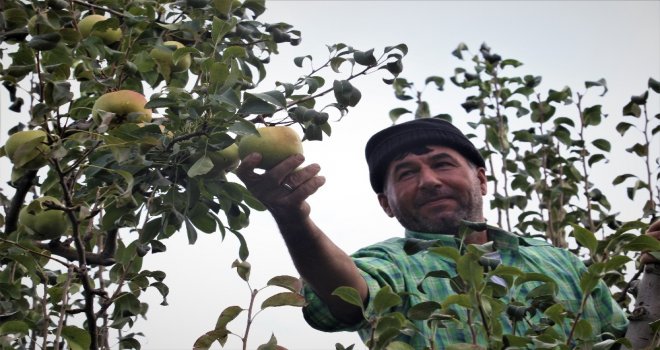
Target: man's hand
x=284 y=188
x=653 y=231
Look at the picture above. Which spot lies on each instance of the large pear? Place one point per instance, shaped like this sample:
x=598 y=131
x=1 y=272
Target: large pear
x=275 y=143
x=42 y=222
x=108 y=36
x=164 y=56
x=126 y=105
x=27 y=149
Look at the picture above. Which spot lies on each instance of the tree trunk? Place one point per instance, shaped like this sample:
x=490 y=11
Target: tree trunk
x=647 y=310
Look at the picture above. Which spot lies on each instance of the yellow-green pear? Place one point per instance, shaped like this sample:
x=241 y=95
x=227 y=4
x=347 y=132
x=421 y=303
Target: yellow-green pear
x=108 y=36
x=43 y=222
x=125 y=105
x=164 y=56
x=224 y=160
x=27 y=149
x=275 y=143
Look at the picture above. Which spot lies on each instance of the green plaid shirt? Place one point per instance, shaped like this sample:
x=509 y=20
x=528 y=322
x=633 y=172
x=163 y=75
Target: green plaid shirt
x=386 y=263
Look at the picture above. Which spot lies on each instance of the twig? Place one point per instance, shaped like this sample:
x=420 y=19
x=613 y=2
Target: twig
x=23 y=186
x=98 y=7
x=34 y=251
x=56 y=247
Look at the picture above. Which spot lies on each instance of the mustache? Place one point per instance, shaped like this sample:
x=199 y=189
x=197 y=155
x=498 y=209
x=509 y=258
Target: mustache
x=431 y=195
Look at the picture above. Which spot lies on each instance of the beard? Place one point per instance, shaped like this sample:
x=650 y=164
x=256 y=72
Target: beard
x=469 y=207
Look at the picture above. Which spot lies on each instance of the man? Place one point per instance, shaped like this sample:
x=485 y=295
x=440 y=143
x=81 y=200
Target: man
x=429 y=176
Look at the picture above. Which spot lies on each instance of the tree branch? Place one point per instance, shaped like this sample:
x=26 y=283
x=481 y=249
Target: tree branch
x=22 y=186
x=105 y=258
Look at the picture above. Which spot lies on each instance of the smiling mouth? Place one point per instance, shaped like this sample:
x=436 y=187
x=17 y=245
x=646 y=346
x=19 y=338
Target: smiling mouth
x=434 y=201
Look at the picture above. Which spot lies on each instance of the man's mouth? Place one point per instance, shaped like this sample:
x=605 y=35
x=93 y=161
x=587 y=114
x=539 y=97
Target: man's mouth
x=433 y=200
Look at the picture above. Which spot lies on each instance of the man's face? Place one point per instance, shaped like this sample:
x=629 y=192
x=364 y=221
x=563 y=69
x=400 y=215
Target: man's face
x=434 y=191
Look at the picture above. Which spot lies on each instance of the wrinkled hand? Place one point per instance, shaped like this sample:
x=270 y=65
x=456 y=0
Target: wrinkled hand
x=282 y=189
x=653 y=231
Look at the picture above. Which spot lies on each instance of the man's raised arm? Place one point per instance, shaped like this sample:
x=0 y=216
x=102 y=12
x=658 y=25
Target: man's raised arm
x=324 y=266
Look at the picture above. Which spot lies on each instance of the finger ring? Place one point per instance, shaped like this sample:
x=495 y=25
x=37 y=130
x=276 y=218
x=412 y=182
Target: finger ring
x=287 y=186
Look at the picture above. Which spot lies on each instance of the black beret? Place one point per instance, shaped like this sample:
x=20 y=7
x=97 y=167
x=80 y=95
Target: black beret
x=391 y=142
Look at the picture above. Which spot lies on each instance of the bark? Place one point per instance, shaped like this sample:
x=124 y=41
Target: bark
x=647 y=310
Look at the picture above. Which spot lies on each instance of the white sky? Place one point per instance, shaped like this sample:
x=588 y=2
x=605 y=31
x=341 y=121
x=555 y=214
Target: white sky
x=565 y=42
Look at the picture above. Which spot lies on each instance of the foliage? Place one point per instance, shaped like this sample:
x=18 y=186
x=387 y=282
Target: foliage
x=125 y=181
x=541 y=171
x=291 y=297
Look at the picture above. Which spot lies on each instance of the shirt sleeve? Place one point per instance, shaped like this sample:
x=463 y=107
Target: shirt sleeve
x=608 y=313
x=377 y=267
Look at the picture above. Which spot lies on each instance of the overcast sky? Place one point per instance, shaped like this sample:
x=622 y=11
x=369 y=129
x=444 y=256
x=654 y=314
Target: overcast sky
x=566 y=42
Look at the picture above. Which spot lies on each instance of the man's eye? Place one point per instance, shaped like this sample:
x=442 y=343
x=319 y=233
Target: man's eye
x=404 y=174
x=442 y=164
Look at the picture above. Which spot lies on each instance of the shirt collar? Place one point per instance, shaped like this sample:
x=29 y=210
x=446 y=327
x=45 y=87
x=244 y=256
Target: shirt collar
x=501 y=239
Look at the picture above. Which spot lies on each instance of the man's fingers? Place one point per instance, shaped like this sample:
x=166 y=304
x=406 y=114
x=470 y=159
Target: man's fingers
x=247 y=165
x=300 y=176
x=281 y=170
x=306 y=189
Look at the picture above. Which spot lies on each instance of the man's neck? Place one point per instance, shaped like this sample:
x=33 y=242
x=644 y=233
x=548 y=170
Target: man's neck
x=479 y=237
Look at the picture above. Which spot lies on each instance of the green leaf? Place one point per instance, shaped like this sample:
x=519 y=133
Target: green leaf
x=345 y=93
x=77 y=338
x=588 y=281
x=654 y=85
x=585 y=238
x=398 y=345
x=510 y=62
x=447 y=252
x=592 y=115
x=640 y=99
x=600 y=82
x=459 y=299
x=643 y=243
x=289 y=282
x=190 y=231
x=298 y=61
x=396 y=113
x=615 y=262
x=469 y=270
x=206 y=341
x=242 y=268
x=150 y=230
x=438 y=81
x=583 y=329
x=423 y=310
x=349 y=295
x=221 y=28
x=284 y=299
x=273 y=97
x=458 y=50
x=365 y=58
x=202 y=166
x=45 y=42
x=533 y=276
x=385 y=299
x=602 y=144
x=621 y=178
x=227 y=315
x=336 y=62
x=254 y=105
x=271 y=345
x=632 y=109
x=14 y=327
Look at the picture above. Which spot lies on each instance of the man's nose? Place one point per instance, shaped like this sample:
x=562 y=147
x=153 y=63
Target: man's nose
x=429 y=178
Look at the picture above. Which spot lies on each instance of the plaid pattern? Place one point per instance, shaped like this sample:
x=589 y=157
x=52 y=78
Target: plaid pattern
x=386 y=263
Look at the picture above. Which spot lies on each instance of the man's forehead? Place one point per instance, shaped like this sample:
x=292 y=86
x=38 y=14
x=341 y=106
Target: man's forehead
x=432 y=152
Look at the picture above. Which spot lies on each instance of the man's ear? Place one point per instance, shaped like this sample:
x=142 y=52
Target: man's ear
x=483 y=180
x=385 y=204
